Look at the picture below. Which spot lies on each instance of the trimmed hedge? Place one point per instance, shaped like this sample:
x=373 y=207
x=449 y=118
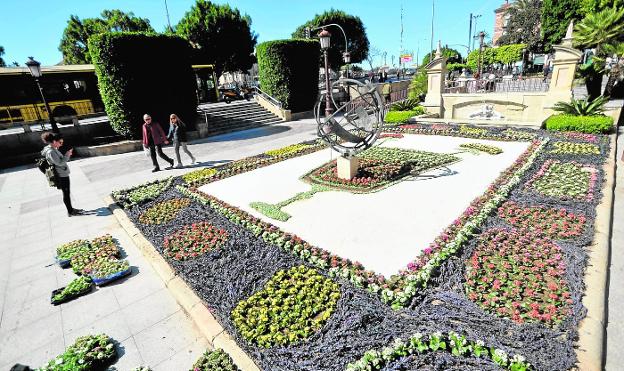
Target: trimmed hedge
x=400 y=117
x=584 y=124
x=142 y=73
x=289 y=72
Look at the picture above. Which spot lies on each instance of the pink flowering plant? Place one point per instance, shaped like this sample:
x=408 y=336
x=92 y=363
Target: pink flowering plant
x=194 y=240
x=565 y=180
x=544 y=221
x=519 y=275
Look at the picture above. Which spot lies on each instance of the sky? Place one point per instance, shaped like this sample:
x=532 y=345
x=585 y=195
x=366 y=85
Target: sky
x=35 y=27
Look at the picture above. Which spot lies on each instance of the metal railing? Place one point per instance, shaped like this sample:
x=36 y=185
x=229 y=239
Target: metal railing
x=266 y=96
x=497 y=85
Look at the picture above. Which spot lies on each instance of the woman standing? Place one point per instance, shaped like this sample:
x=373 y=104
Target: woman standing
x=177 y=133
x=59 y=161
x=154 y=138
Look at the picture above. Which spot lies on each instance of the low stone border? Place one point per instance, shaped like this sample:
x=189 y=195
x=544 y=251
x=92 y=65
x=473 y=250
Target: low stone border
x=592 y=327
x=184 y=295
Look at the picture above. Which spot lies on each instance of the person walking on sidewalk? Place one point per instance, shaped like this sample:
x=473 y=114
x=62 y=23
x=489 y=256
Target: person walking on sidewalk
x=56 y=159
x=153 y=138
x=177 y=133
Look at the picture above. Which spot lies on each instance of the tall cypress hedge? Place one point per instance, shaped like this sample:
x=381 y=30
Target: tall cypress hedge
x=142 y=73
x=289 y=72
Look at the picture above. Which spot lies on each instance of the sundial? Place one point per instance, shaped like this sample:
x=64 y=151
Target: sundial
x=353 y=125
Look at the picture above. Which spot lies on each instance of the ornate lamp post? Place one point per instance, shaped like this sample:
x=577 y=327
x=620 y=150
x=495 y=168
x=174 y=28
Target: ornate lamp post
x=324 y=37
x=35 y=70
x=481 y=36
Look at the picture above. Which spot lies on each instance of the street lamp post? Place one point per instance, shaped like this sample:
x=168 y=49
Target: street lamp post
x=35 y=70
x=479 y=65
x=324 y=37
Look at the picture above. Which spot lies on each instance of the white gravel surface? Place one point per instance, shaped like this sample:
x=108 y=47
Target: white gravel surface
x=383 y=230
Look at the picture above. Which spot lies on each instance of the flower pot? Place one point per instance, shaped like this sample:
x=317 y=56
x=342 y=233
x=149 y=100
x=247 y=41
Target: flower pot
x=71 y=297
x=113 y=277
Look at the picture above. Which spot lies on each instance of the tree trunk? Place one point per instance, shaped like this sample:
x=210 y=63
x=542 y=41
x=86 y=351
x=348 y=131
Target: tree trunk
x=593 y=82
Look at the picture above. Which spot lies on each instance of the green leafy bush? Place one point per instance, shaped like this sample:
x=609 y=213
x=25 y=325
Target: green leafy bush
x=584 y=124
x=214 y=360
x=401 y=117
x=582 y=107
x=410 y=104
x=288 y=71
x=74 y=287
x=91 y=352
x=292 y=306
x=142 y=73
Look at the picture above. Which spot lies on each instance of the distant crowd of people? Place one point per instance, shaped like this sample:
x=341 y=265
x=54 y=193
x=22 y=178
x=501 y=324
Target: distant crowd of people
x=53 y=163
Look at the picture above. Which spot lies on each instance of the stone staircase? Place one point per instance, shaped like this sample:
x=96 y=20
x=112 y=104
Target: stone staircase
x=238 y=115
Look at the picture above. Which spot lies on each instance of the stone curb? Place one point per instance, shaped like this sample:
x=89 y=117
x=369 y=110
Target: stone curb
x=592 y=327
x=184 y=295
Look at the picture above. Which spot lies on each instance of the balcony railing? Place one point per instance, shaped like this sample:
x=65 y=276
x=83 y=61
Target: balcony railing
x=497 y=85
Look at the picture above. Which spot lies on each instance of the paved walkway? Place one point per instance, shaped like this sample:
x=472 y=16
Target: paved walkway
x=615 y=324
x=138 y=312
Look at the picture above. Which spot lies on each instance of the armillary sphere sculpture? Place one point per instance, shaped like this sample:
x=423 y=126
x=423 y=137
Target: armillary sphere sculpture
x=353 y=125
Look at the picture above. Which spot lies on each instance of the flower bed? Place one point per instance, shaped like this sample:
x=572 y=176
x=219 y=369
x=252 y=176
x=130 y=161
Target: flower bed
x=193 y=240
x=432 y=292
x=549 y=222
x=572 y=148
x=164 y=212
x=78 y=287
x=91 y=352
x=564 y=180
x=142 y=193
x=519 y=275
x=215 y=360
x=378 y=168
x=492 y=150
x=292 y=306
x=452 y=342
x=288 y=150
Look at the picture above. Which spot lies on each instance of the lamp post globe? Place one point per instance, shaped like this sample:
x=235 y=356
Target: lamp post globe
x=324 y=37
x=34 y=67
x=35 y=70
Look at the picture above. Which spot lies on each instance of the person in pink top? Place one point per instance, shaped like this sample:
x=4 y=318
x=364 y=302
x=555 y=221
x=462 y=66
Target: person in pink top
x=153 y=138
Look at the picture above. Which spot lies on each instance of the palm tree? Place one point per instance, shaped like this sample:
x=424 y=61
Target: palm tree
x=598 y=29
x=603 y=31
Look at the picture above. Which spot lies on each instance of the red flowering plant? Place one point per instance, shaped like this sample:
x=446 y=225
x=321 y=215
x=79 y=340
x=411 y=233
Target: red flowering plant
x=549 y=222
x=194 y=240
x=519 y=275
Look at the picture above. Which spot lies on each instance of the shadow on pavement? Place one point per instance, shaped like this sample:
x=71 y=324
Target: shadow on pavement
x=262 y=131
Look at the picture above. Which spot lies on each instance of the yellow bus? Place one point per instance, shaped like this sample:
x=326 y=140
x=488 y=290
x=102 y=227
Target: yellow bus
x=71 y=91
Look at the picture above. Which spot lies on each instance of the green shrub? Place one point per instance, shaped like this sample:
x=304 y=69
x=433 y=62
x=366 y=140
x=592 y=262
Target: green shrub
x=410 y=104
x=401 y=117
x=584 y=124
x=288 y=71
x=582 y=107
x=142 y=73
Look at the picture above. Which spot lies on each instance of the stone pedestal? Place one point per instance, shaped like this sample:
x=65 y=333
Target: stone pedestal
x=436 y=73
x=347 y=167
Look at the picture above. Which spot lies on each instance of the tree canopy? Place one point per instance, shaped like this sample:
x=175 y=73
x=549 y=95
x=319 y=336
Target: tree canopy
x=594 y=6
x=354 y=29
x=506 y=54
x=452 y=56
x=524 y=25
x=556 y=15
x=2 y=63
x=220 y=36
x=74 y=43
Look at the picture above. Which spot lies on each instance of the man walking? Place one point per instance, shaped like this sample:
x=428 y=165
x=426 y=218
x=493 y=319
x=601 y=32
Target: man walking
x=153 y=138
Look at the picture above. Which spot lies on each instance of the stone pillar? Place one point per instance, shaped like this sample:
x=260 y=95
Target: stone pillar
x=564 y=66
x=347 y=167
x=436 y=73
